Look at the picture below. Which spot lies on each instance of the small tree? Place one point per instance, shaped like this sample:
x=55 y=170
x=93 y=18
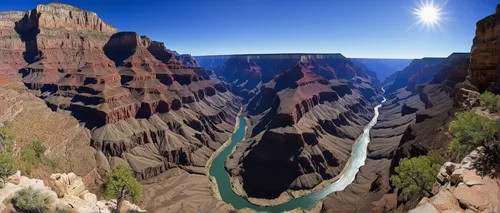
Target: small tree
x=33 y=155
x=471 y=130
x=121 y=184
x=32 y=201
x=8 y=166
x=416 y=175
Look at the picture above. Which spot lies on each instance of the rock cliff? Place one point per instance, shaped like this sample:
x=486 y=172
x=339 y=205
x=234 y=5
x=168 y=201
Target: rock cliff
x=484 y=59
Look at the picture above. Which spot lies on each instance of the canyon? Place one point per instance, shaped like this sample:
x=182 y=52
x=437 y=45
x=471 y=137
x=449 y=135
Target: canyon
x=99 y=97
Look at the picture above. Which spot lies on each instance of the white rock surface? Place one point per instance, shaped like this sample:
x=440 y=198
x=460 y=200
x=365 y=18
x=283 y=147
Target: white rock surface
x=69 y=191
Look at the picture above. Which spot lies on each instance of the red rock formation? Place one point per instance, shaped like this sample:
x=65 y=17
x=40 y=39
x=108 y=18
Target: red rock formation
x=61 y=37
x=145 y=108
x=485 y=53
x=11 y=45
x=247 y=73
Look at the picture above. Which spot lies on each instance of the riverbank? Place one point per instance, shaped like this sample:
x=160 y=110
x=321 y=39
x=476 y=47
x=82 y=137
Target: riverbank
x=215 y=187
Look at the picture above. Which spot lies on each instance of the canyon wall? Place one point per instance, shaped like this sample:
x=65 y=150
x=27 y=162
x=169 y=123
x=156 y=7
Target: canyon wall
x=98 y=98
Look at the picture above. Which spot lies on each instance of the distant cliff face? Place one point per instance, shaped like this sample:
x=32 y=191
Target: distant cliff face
x=401 y=79
x=485 y=54
x=247 y=73
x=383 y=67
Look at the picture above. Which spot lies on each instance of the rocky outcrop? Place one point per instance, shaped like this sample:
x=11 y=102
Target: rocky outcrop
x=70 y=194
x=60 y=39
x=484 y=58
x=460 y=188
x=11 y=45
x=302 y=137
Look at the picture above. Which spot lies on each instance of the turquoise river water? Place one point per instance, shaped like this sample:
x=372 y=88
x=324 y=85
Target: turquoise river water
x=358 y=158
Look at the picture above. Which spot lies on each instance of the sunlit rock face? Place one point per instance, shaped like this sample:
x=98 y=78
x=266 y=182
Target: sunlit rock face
x=485 y=54
x=143 y=106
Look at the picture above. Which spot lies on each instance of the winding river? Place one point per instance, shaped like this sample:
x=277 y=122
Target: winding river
x=308 y=201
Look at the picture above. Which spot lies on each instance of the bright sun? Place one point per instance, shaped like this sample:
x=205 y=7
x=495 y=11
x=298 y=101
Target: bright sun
x=429 y=15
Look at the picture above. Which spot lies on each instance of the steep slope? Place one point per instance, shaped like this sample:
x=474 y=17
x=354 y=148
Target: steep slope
x=302 y=137
x=67 y=142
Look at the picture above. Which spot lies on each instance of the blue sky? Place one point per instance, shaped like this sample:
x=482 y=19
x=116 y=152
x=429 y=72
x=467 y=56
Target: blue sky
x=355 y=28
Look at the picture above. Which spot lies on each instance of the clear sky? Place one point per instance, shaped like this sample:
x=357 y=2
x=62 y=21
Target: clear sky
x=355 y=28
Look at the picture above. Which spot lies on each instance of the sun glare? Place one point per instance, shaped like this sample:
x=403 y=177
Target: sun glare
x=429 y=15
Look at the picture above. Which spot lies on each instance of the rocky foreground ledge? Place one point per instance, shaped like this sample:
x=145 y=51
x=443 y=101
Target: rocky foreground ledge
x=68 y=191
x=460 y=188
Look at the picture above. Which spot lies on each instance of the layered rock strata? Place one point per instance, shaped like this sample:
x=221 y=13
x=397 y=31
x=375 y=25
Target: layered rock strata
x=485 y=57
x=143 y=107
x=247 y=73
x=303 y=129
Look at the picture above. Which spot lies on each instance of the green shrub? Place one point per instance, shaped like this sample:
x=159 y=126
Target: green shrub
x=490 y=101
x=30 y=200
x=32 y=155
x=415 y=176
x=7 y=136
x=8 y=166
x=29 y=156
x=471 y=130
x=39 y=148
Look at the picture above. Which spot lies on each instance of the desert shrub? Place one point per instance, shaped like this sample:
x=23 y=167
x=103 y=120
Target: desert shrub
x=6 y=137
x=30 y=200
x=8 y=166
x=471 y=130
x=490 y=101
x=415 y=176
